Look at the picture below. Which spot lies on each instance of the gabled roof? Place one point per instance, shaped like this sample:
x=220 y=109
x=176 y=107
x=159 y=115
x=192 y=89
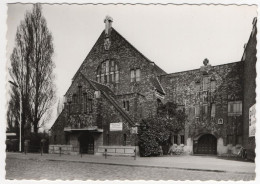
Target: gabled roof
x=157 y=68
x=155 y=82
x=148 y=60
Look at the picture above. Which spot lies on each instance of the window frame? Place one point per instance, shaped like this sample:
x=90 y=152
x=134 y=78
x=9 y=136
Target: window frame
x=107 y=72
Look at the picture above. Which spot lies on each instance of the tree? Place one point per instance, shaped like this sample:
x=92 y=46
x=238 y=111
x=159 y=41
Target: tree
x=43 y=89
x=156 y=130
x=32 y=67
x=12 y=112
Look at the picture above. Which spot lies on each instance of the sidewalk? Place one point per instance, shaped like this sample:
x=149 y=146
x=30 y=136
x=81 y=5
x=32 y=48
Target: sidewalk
x=200 y=163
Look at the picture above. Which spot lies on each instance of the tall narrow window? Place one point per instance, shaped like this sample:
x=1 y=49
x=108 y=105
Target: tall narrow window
x=205 y=109
x=182 y=139
x=69 y=107
x=124 y=104
x=107 y=71
x=138 y=74
x=132 y=75
x=205 y=84
x=74 y=98
x=127 y=105
x=213 y=85
x=175 y=139
x=116 y=77
x=197 y=86
x=85 y=102
x=213 y=110
x=90 y=102
x=197 y=111
x=80 y=93
x=102 y=78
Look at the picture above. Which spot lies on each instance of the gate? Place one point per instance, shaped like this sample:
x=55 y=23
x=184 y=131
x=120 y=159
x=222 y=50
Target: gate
x=207 y=144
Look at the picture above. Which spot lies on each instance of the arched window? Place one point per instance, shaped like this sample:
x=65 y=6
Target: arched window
x=107 y=72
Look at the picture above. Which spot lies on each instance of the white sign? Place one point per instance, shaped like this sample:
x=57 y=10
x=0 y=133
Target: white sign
x=134 y=130
x=220 y=121
x=116 y=126
x=252 y=121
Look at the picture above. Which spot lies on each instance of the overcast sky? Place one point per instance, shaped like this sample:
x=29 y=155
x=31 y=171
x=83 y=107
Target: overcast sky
x=176 y=38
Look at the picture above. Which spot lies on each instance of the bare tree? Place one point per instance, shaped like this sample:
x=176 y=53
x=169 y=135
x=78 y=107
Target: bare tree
x=32 y=66
x=12 y=111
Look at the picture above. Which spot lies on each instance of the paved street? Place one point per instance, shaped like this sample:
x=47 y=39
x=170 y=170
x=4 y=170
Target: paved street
x=33 y=166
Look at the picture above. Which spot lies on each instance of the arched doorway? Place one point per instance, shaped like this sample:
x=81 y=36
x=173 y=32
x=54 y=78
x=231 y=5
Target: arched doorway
x=207 y=144
x=86 y=142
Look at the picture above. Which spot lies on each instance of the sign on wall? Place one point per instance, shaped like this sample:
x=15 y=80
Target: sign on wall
x=134 y=130
x=116 y=126
x=220 y=121
x=252 y=121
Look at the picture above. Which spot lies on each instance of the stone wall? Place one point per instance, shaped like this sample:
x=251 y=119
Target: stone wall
x=249 y=61
x=186 y=89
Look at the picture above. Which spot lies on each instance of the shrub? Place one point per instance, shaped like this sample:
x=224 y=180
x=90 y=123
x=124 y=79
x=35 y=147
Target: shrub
x=35 y=142
x=155 y=131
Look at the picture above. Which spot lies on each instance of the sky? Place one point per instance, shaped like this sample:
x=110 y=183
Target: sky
x=176 y=37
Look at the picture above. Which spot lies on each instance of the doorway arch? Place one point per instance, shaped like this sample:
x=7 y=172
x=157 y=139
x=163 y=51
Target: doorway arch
x=207 y=144
x=86 y=142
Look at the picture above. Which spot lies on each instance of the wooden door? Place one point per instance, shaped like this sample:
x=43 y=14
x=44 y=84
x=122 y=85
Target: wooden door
x=207 y=144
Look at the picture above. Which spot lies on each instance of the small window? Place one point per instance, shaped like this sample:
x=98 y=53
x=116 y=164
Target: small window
x=205 y=109
x=197 y=86
x=80 y=93
x=127 y=105
x=135 y=75
x=235 y=108
x=74 y=98
x=229 y=139
x=213 y=85
x=117 y=77
x=213 y=110
x=132 y=75
x=175 y=139
x=124 y=104
x=205 y=84
x=90 y=102
x=197 y=111
x=182 y=139
x=85 y=102
x=138 y=74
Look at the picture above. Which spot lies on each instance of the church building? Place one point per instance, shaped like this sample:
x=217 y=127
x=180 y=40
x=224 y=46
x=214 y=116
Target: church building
x=116 y=87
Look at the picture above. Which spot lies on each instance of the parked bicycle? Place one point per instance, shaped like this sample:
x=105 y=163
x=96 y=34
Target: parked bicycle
x=242 y=153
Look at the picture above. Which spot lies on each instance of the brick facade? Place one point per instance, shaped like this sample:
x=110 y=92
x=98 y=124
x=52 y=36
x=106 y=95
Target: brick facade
x=249 y=61
x=117 y=83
